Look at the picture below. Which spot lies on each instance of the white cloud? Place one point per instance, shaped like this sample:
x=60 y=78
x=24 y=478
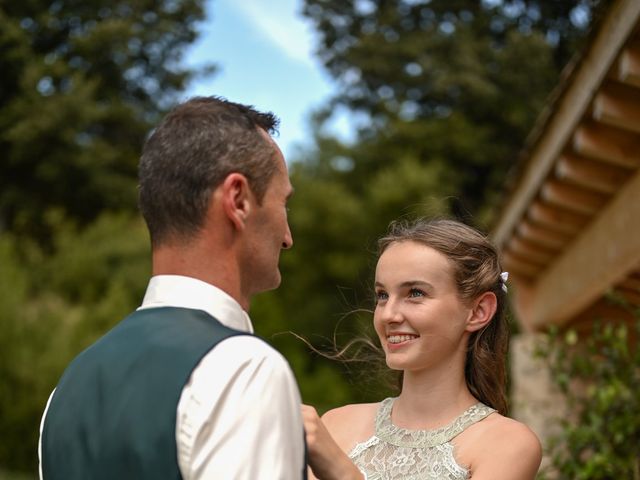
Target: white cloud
x=281 y=24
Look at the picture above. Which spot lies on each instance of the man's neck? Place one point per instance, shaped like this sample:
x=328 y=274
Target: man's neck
x=215 y=268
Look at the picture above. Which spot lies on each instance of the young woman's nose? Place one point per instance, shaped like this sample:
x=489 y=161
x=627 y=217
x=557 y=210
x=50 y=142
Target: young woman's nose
x=391 y=313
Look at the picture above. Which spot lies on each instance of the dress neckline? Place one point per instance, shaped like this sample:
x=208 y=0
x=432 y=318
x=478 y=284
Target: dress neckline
x=401 y=437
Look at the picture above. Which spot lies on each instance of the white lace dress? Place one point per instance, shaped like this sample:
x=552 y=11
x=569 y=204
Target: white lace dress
x=394 y=453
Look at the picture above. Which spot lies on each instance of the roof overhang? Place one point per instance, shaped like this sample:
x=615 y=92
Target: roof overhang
x=570 y=229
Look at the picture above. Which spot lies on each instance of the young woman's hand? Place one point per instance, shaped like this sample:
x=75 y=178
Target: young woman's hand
x=326 y=460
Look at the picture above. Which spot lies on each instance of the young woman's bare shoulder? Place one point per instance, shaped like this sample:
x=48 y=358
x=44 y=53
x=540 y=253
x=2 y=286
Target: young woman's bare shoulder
x=350 y=416
x=519 y=449
x=351 y=424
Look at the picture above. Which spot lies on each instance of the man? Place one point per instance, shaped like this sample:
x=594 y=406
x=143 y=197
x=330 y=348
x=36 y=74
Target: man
x=180 y=388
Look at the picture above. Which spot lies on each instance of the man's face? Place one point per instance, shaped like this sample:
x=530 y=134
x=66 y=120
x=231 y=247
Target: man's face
x=268 y=231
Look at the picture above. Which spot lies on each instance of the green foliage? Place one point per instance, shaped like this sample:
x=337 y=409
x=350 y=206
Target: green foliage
x=446 y=112
x=457 y=84
x=4 y=475
x=54 y=306
x=600 y=378
x=82 y=83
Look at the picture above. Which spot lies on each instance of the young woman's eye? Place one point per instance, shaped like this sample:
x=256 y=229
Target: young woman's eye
x=415 y=293
x=381 y=295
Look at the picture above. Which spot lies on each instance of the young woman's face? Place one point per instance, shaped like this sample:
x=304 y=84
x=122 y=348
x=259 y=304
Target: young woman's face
x=419 y=318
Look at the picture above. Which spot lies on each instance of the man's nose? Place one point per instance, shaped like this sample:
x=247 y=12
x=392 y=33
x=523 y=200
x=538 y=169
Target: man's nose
x=288 y=239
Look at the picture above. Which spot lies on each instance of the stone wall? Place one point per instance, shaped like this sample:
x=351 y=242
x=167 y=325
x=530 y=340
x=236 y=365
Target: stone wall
x=535 y=400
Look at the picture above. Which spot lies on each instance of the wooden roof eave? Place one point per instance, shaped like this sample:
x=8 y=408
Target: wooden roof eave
x=556 y=127
x=579 y=186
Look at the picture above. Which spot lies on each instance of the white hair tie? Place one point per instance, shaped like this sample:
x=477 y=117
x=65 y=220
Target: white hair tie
x=504 y=276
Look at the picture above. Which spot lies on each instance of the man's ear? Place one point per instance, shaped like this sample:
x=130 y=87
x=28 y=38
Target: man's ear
x=483 y=311
x=236 y=199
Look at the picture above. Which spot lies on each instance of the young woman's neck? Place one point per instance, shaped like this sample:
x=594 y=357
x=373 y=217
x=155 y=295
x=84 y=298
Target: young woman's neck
x=431 y=398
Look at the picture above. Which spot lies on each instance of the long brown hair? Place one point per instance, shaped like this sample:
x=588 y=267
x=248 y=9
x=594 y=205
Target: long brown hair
x=476 y=270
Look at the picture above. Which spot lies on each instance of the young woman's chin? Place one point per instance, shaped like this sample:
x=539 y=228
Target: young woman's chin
x=396 y=363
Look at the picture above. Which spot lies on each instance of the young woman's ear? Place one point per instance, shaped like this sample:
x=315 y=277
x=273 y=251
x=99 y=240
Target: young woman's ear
x=483 y=311
x=236 y=199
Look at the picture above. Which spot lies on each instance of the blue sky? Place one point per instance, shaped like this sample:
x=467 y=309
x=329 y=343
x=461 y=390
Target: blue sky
x=263 y=49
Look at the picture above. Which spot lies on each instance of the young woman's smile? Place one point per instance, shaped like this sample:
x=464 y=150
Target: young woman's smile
x=396 y=341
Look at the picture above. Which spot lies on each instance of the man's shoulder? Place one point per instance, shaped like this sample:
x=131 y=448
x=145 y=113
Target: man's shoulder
x=248 y=350
x=251 y=345
x=246 y=362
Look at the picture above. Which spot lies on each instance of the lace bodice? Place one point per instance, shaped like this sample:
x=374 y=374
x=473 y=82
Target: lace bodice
x=394 y=453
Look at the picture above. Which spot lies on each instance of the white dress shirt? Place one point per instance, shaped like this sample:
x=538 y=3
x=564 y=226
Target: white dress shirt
x=239 y=414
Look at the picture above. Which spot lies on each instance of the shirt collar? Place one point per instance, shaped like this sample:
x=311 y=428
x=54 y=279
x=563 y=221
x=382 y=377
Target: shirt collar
x=187 y=292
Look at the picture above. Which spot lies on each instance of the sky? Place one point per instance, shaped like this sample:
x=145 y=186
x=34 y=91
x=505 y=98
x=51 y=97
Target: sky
x=264 y=53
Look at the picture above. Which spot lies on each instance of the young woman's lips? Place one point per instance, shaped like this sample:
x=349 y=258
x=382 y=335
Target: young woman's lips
x=400 y=340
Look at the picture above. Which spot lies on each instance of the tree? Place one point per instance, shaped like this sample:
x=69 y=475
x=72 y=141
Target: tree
x=82 y=82
x=452 y=83
x=448 y=91
x=52 y=307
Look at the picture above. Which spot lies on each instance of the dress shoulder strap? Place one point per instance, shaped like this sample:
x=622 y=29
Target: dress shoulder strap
x=402 y=437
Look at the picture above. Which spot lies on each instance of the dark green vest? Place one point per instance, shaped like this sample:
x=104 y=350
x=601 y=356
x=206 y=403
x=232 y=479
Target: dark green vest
x=113 y=414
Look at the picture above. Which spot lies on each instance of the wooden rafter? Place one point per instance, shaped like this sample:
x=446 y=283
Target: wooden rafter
x=591 y=174
x=630 y=283
x=555 y=218
x=572 y=198
x=628 y=70
x=619 y=106
x=607 y=144
x=552 y=136
x=519 y=266
x=541 y=236
x=536 y=253
x=605 y=253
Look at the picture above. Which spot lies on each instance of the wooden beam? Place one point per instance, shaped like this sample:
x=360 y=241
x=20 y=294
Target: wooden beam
x=630 y=283
x=575 y=199
x=518 y=266
x=556 y=218
x=606 y=252
x=601 y=310
x=542 y=236
x=537 y=254
x=557 y=129
x=618 y=106
x=629 y=66
x=591 y=174
x=608 y=145
x=629 y=288
x=631 y=296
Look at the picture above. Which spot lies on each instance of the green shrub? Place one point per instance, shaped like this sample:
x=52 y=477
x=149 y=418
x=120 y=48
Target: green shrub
x=52 y=306
x=599 y=374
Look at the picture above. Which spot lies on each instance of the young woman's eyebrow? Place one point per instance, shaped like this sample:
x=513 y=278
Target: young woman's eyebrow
x=409 y=284
x=416 y=283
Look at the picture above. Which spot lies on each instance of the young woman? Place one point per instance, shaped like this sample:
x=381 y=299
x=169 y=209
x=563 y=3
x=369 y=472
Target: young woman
x=439 y=315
